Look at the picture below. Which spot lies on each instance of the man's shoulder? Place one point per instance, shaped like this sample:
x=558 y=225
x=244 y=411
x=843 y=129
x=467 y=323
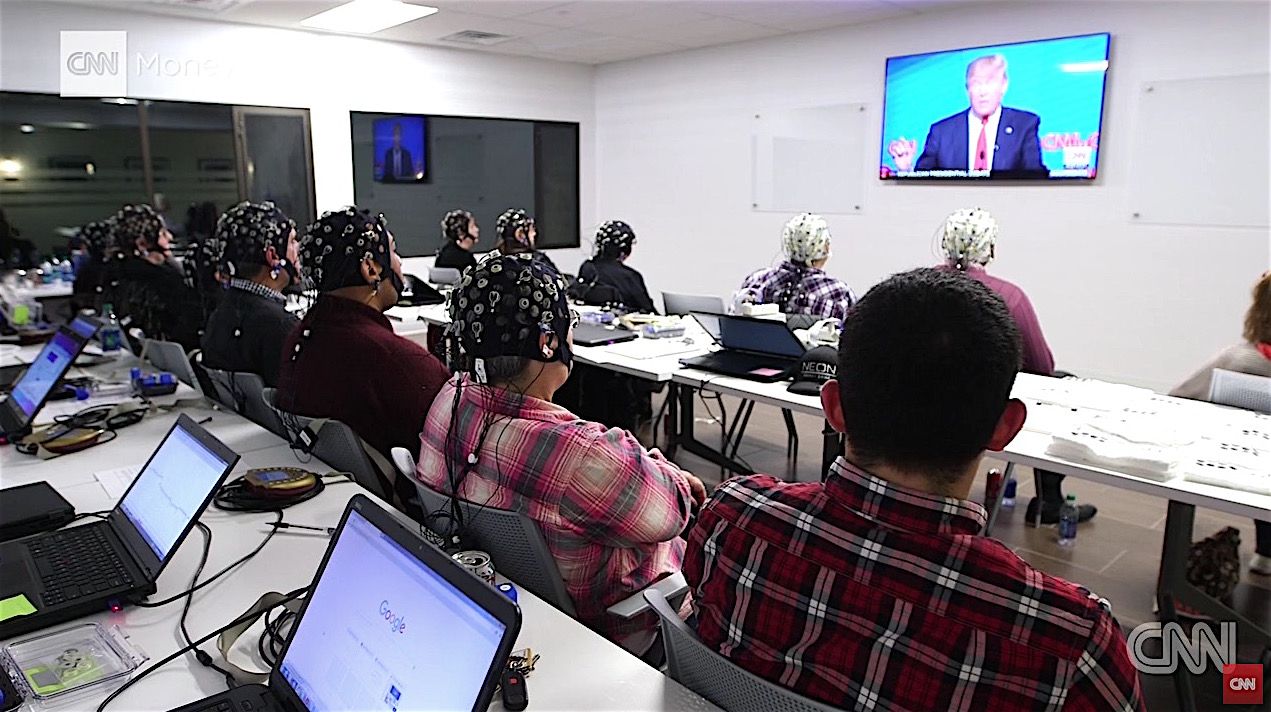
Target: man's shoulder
x=949 y=122
x=1010 y=114
x=735 y=497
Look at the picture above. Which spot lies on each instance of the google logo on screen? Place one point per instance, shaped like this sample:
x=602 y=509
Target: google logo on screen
x=397 y=623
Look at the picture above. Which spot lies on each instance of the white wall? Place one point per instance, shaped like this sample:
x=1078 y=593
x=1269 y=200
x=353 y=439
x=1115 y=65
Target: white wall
x=1136 y=303
x=328 y=74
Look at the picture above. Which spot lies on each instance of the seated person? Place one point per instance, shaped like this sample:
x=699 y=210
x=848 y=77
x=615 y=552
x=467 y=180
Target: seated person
x=90 y=278
x=343 y=360
x=611 y=511
x=877 y=585
x=1253 y=356
x=258 y=257
x=152 y=291
x=605 y=279
x=517 y=234
x=800 y=285
x=459 y=234
x=969 y=242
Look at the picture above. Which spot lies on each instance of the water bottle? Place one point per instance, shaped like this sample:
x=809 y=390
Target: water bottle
x=111 y=335
x=1008 y=497
x=1068 y=521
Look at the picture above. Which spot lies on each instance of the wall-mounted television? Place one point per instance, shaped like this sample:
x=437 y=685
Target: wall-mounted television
x=400 y=149
x=1027 y=110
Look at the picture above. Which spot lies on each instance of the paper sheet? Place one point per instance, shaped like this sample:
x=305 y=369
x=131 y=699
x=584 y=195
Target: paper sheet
x=117 y=481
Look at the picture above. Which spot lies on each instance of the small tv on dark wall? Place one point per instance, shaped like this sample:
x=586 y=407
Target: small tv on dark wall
x=401 y=149
x=1027 y=110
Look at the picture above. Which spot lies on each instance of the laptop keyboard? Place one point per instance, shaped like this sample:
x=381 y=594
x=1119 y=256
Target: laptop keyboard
x=77 y=563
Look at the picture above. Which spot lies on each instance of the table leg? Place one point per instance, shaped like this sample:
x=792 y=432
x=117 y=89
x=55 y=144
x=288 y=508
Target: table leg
x=687 y=439
x=831 y=448
x=995 y=504
x=672 y=419
x=792 y=433
x=1036 y=521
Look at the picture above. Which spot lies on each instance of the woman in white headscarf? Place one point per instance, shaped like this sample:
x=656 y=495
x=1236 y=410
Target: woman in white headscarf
x=800 y=285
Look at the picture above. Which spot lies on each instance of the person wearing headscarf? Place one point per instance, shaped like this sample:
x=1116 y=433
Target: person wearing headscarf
x=1251 y=355
x=343 y=360
x=611 y=511
x=969 y=243
x=800 y=285
x=256 y=257
x=606 y=280
x=459 y=235
x=517 y=235
x=153 y=292
x=91 y=278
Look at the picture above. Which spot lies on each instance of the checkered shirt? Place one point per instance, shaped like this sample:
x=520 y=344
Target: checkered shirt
x=815 y=293
x=258 y=289
x=868 y=596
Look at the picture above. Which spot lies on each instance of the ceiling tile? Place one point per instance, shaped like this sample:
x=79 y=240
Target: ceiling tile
x=494 y=8
x=434 y=27
x=584 y=12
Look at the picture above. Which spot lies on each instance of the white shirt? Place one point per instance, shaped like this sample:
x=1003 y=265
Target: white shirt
x=397 y=162
x=973 y=124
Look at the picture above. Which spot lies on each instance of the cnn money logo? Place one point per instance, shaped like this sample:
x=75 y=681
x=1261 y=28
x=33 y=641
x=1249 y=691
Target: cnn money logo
x=1201 y=649
x=94 y=63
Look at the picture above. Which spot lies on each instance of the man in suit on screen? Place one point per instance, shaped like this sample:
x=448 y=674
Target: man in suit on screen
x=986 y=137
x=399 y=165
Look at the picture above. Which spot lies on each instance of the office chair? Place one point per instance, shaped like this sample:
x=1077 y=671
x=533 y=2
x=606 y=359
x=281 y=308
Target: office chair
x=171 y=357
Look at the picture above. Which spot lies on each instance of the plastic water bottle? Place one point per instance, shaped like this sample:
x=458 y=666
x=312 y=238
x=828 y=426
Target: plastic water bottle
x=1008 y=497
x=111 y=335
x=1068 y=521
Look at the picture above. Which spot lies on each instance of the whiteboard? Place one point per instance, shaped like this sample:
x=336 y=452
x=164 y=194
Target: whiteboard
x=1200 y=152
x=809 y=160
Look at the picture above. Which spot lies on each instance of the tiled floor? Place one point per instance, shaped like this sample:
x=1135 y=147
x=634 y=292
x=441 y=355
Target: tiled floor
x=1117 y=554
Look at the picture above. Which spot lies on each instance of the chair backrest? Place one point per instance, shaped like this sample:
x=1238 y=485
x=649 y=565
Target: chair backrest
x=403 y=461
x=171 y=357
x=243 y=393
x=696 y=666
x=1241 y=390
x=685 y=304
x=444 y=275
x=223 y=388
x=513 y=541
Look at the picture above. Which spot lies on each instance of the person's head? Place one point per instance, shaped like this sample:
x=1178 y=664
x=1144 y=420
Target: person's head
x=350 y=253
x=461 y=228
x=397 y=135
x=98 y=238
x=511 y=325
x=257 y=242
x=969 y=238
x=1258 y=318
x=614 y=241
x=926 y=363
x=986 y=83
x=200 y=220
x=806 y=240
x=139 y=227
x=516 y=230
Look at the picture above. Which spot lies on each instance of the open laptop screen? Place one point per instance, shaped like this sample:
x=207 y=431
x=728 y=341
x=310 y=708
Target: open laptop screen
x=764 y=336
x=383 y=632
x=45 y=371
x=172 y=490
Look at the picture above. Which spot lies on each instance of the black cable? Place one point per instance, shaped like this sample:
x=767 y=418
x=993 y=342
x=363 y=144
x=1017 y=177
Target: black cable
x=200 y=654
x=272 y=530
x=290 y=596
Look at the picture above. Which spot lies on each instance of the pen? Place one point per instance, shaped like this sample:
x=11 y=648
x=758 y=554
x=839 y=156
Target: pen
x=287 y=525
x=205 y=421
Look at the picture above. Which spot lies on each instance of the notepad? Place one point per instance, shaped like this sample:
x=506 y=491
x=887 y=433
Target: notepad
x=15 y=606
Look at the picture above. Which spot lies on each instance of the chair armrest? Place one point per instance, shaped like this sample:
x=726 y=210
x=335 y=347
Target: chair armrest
x=672 y=587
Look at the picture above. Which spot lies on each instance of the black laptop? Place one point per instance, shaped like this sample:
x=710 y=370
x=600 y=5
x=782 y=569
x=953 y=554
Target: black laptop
x=391 y=624
x=598 y=335
x=32 y=389
x=108 y=564
x=756 y=349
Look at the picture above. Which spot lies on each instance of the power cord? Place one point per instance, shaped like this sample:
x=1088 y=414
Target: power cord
x=200 y=654
x=190 y=592
x=290 y=596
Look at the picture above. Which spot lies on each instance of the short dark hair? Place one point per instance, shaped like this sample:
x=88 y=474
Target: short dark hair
x=927 y=360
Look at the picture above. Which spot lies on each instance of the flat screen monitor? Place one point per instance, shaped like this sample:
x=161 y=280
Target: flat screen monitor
x=1028 y=110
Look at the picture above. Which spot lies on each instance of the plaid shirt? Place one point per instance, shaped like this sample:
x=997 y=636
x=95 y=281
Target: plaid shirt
x=611 y=511
x=258 y=289
x=865 y=595
x=815 y=292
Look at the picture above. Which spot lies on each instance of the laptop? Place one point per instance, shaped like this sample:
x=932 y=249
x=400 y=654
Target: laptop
x=755 y=349
x=32 y=389
x=597 y=335
x=391 y=624
x=84 y=325
x=105 y=565
x=685 y=304
x=444 y=275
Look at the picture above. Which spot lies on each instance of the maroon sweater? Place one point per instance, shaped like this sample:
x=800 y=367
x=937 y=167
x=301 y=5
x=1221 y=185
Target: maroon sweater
x=355 y=369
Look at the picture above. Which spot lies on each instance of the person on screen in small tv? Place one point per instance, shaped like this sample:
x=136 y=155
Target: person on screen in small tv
x=986 y=137
x=518 y=234
x=459 y=234
x=399 y=165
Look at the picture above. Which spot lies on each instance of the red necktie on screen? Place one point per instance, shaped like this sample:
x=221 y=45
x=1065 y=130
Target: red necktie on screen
x=981 y=147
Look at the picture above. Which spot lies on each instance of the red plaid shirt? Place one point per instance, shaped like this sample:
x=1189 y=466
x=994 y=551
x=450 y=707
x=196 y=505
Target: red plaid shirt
x=611 y=511
x=865 y=595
